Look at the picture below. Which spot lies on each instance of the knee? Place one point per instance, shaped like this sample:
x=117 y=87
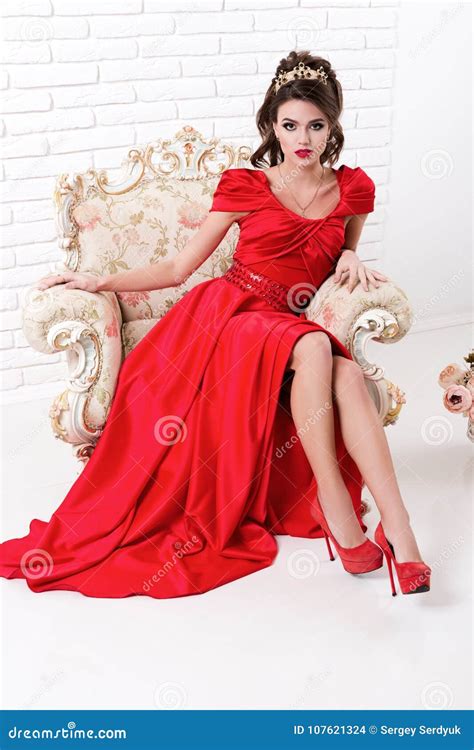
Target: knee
x=310 y=347
x=346 y=372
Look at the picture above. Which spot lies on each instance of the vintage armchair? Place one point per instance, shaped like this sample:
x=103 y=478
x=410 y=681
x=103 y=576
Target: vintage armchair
x=148 y=215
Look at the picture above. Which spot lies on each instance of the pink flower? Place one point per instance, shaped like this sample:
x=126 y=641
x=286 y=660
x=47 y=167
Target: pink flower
x=116 y=239
x=111 y=330
x=87 y=216
x=451 y=374
x=132 y=235
x=457 y=399
x=133 y=298
x=191 y=215
x=328 y=315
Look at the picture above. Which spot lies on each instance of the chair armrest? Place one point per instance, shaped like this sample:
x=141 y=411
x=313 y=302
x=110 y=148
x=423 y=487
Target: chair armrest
x=384 y=312
x=88 y=327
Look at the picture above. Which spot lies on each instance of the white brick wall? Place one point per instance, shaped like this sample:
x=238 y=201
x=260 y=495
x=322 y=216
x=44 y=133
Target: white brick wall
x=84 y=81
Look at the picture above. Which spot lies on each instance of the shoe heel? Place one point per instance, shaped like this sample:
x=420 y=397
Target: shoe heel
x=413 y=577
x=390 y=572
x=331 y=554
x=361 y=559
x=389 y=566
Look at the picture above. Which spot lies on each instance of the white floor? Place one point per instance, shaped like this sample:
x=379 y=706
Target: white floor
x=294 y=635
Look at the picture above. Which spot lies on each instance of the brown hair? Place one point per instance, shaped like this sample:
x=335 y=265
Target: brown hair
x=327 y=97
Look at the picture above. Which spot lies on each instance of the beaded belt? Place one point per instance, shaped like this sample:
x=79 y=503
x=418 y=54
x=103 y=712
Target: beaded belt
x=250 y=281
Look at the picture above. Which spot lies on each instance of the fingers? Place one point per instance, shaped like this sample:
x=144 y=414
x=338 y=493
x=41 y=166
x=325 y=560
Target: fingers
x=365 y=276
x=342 y=276
x=372 y=280
x=46 y=282
x=353 y=281
x=339 y=272
x=54 y=279
x=376 y=274
x=375 y=277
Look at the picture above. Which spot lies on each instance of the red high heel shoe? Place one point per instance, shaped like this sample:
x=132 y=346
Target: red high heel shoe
x=413 y=577
x=361 y=559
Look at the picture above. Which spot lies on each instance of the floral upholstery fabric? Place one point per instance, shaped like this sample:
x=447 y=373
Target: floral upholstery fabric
x=146 y=225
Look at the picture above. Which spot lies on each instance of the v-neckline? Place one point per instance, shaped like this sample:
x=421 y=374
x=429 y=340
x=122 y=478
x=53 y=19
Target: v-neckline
x=339 y=174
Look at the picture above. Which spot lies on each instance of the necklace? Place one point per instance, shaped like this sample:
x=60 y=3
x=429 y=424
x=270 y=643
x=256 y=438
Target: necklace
x=303 y=208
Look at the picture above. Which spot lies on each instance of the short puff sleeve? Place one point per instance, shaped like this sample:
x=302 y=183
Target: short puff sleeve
x=235 y=191
x=359 y=193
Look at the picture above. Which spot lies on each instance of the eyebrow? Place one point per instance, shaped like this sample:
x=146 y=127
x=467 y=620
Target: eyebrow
x=318 y=119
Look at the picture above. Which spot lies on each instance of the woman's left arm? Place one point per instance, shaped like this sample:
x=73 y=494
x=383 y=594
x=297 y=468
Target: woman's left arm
x=349 y=266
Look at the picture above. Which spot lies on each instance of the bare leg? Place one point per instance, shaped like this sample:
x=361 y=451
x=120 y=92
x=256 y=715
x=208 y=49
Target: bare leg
x=366 y=442
x=312 y=412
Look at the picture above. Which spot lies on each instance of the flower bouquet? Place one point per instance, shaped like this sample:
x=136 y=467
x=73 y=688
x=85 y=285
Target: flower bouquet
x=458 y=384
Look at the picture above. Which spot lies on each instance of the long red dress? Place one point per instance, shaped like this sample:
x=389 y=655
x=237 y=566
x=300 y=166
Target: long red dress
x=199 y=465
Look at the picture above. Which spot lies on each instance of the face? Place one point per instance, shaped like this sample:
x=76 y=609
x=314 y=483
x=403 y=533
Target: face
x=301 y=125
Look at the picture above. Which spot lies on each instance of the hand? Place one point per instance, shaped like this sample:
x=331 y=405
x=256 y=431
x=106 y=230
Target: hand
x=350 y=267
x=70 y=280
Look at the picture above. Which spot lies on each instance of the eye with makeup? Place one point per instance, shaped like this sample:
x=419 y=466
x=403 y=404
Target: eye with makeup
x=315 y=125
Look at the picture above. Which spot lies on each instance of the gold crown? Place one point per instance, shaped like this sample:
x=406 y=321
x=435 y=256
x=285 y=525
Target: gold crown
x=300 y=71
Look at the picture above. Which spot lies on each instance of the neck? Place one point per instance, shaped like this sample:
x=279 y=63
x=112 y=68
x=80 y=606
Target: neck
x=304 y=175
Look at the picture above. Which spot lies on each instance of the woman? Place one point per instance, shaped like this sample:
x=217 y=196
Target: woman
x=236 y=418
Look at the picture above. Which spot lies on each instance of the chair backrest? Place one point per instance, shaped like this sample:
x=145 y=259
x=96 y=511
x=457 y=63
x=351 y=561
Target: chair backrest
x=146 y=215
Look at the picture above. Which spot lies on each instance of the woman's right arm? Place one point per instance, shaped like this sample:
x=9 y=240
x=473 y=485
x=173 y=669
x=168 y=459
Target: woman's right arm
x=165 y=273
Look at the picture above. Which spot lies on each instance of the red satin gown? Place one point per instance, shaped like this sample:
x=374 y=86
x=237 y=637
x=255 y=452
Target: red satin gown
x=199 y=465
